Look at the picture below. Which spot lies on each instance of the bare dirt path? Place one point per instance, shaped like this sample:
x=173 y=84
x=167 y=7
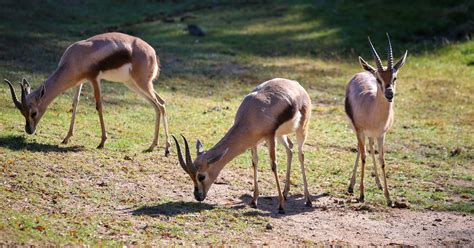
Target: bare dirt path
x=335 y=221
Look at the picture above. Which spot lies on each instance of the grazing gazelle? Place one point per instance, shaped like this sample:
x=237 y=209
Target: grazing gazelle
x=369 y=106
x=112 y=56
x=271 y=111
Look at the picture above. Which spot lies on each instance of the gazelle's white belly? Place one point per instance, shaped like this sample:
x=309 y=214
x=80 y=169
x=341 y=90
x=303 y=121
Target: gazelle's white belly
x=121 y=74
x=289 y=126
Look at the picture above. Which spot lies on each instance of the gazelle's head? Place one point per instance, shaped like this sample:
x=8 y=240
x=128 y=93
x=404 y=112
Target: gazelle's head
x=201 y=171
x=386 y=76
x=29 y=104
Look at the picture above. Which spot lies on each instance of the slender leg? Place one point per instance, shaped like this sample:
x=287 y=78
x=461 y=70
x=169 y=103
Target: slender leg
x=98 y=106
x=354 y=171
x=75 y=101
x=255 y=177
x=380 y=143
x=300 y=139
x=165 y=123
x=285 y=141
x=361 y=145
x=272 y=152
x=372 y=153
x=157 y=125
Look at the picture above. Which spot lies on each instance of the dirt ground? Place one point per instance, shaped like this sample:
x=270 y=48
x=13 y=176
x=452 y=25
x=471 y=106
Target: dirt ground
x=335 y=221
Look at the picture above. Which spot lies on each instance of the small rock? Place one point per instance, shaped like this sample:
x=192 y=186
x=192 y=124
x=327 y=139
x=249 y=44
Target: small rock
x=401 y=204
x=438 y=220
x=127 y=158
x=195 y=30
x=102 y=184
x=456 y=151
x=269 y=226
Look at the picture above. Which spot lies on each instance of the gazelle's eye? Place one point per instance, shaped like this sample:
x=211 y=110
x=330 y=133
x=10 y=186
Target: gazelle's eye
x=201 y=178
x=33 y=115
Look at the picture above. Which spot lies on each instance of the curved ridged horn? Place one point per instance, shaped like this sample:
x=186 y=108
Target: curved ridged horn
x=390 y=54
x=180 y=156
x=378 y=62
x=189 y=161
x=12 y=90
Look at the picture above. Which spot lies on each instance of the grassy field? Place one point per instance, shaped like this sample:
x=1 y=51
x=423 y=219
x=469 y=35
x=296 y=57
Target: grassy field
x=68 y=194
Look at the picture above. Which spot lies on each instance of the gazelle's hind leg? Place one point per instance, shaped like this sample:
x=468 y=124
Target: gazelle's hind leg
x=354 y=171
x=255 y=177
x=372 y=153
x=165 y=122
x=158 y=104
x=272 y=153
x=75 y=101
x=301 y=134
x=285 y=141
x=98 y=106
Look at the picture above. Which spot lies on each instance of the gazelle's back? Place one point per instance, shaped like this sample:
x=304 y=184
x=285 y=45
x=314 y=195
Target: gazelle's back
x=273 y=103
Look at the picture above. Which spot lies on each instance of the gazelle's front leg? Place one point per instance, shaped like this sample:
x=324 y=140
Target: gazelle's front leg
x=361 y=145
x=75 y=101
x=380 y=143
x=300 y=139
x=98 y=106
x=272 y=152
x=372 y=153
x=255 y=177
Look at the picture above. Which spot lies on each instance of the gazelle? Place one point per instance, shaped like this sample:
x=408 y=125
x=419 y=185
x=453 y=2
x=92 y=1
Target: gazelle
x=112 y=56
x=271 y=111
x=369 y=106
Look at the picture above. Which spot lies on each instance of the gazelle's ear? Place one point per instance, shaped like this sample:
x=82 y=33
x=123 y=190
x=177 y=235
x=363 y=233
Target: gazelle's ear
x=217 y=157
x=199 y=148
x=41 y=94
x=366 y=65
x=401 y=62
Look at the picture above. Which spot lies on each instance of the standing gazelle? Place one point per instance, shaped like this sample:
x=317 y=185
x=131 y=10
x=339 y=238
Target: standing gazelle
x=369 y=106
x=271 y=111
x=112 y=56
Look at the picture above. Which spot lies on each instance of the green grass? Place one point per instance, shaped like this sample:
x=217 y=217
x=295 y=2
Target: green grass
x=76 y=194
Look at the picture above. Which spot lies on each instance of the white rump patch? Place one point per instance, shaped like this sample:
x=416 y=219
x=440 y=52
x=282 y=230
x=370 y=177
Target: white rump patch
x=289 y=126
x=121 y=74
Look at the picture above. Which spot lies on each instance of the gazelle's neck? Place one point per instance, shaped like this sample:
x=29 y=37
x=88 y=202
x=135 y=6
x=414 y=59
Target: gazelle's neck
x=235 y=141
x=58 y=82
x=383 y=107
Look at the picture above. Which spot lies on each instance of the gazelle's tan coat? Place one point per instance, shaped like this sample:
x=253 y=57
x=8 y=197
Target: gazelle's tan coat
x=369 y=106
x=271 y=111
x=112 y=56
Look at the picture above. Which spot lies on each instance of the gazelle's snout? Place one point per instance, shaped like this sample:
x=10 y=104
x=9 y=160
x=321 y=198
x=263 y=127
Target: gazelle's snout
x=199 y=195
x=389 y=94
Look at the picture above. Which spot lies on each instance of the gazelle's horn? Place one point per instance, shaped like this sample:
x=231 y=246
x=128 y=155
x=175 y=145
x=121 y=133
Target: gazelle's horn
x=15 y=100
x=180 y=156
x=378 y=62
x=390 y=54
x=189 y=161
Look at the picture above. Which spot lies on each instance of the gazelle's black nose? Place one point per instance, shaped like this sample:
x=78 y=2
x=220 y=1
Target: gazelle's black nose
x=389 y=94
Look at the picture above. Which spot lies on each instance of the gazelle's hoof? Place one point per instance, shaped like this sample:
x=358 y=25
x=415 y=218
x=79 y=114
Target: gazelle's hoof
x=253 y=204
x=380 y=187
x=101 y=146
x=390 y=204
x=350 y=190
x=361 y=198
x=281 y=210
x=167 y=152
x=308 y=203
x=65 y=141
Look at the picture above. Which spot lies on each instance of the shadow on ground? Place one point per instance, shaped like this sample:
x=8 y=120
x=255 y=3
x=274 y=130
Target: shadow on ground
x=268 y=205
x=14 y=143
x=172 y=209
